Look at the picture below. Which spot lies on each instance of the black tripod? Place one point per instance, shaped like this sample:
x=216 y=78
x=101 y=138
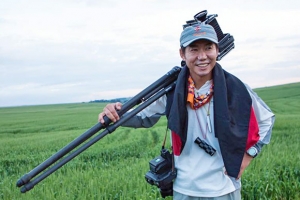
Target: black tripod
x=153 y=92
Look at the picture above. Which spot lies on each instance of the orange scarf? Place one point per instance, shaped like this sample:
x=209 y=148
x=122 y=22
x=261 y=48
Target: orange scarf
x=197 y=102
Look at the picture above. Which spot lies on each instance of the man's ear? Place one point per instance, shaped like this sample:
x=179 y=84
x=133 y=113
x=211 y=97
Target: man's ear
x=181 y=54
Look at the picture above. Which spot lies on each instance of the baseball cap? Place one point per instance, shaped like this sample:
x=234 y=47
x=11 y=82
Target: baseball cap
x=197 y=32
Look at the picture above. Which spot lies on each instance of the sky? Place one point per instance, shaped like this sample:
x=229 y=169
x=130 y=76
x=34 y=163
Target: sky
x=68 y=51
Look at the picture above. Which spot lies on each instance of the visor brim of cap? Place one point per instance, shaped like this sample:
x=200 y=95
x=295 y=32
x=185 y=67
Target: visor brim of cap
x=200 y=38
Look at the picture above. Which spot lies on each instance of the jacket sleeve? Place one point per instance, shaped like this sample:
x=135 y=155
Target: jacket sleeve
x=265 y=119
x=148 y=116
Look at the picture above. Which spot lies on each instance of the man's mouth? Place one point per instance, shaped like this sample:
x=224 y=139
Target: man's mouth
x=202 y=65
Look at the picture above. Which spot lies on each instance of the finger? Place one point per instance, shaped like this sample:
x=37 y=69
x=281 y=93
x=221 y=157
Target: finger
x=239 y=175
x=100 y=118
x=111 y=113
x=118 y=106
x=106 y=112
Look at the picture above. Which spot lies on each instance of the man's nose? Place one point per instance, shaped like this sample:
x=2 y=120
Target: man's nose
x=201 y=55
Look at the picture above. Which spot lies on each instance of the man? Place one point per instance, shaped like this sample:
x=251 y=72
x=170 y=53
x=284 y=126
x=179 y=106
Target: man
x=213 y=107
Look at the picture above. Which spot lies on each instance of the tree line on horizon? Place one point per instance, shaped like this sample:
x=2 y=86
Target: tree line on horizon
x=122 y=100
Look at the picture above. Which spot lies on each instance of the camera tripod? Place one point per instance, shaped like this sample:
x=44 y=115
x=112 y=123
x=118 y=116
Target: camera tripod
x=153 y=92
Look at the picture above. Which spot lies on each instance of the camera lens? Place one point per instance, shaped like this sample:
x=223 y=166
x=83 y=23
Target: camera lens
x=150 y=181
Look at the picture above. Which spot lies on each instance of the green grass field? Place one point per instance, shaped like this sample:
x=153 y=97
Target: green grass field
x=115 y=166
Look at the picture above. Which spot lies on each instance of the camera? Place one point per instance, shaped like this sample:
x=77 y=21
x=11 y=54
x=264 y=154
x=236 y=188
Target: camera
x=226 y=41
x=162 y=173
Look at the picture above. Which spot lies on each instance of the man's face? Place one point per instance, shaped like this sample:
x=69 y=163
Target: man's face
x=200 y=58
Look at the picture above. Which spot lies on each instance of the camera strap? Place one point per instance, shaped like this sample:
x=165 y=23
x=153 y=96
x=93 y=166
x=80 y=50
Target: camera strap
x=163 y=147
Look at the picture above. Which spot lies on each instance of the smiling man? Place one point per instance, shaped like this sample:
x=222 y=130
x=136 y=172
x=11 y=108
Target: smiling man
x=218 y=124
x=199 y=50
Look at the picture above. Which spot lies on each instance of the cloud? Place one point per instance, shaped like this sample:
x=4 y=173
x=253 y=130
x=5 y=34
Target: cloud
x=80 y=50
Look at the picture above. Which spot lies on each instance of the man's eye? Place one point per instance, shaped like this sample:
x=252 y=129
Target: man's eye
x=209 y=47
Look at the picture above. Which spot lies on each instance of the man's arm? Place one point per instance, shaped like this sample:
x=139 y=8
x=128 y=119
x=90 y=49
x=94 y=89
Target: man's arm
x=265 y=119
x=149 y=116
x=144 y=119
